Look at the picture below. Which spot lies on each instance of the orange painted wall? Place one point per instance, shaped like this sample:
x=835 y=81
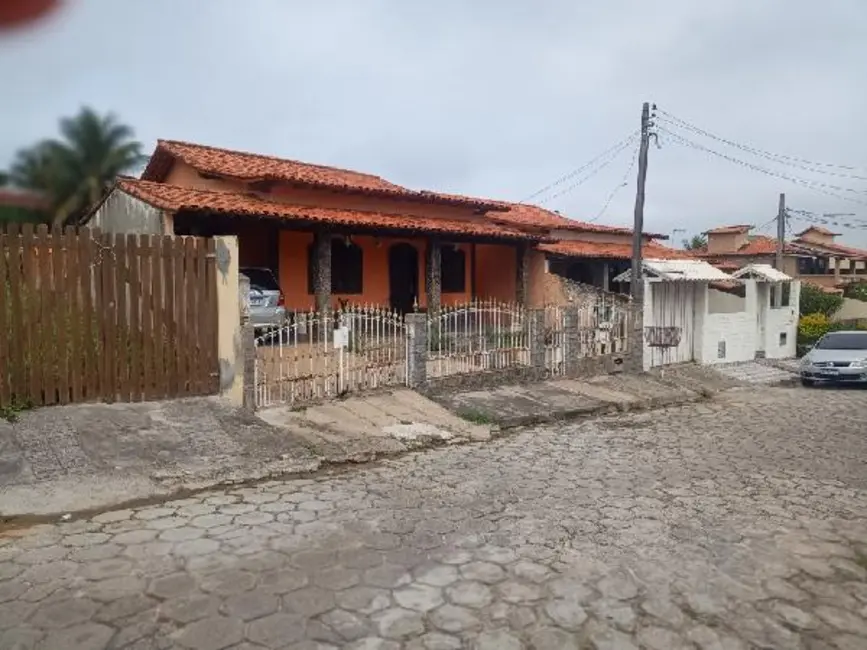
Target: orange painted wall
x=294 y=261
x=496 y=272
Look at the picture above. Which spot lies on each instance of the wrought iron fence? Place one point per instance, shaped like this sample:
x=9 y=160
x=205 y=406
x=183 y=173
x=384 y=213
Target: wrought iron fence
x=320 y=355
x=477 y=336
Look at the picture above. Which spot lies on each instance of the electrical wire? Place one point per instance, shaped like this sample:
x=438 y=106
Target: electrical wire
x=623 y=183
x=823 y=188
x=800 y=163
x=616 y=149
x=589 y=175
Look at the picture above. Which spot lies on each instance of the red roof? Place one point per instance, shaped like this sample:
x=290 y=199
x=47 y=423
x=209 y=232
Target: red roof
x=173 y=197
x=729 y=230
x=831 y=249
x=252 y=167
x=23 y=199
x=818 y=229
x=522 y=214
x=756 y=245
x=573 y=248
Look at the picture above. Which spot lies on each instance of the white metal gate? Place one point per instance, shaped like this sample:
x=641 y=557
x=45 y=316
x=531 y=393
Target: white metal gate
x=478 y=336
x=321 y=355
x=670 y=331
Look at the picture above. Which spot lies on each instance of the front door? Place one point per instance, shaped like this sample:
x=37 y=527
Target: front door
x=403 y=277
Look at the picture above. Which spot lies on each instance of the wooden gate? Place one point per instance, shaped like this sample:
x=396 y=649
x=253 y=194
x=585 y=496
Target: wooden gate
x=90 y=317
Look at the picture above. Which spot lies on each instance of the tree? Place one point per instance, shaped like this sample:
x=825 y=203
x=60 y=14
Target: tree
x=697 y=242
x=76 y=170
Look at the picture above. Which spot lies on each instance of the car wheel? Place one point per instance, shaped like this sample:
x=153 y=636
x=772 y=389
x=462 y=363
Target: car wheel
x=807 y=382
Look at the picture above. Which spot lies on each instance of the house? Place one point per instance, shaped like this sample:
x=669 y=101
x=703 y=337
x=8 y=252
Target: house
x=813 y=256
x=333 y=234
x=825 y=262
x=23 y=206
x=693 y=311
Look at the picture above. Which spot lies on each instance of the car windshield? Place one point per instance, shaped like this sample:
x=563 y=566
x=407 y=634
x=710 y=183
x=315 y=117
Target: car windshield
x=261 y=279
x=843 y=341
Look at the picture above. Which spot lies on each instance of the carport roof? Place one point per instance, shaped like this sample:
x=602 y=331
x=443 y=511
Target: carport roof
x=678 y=271
x=764 y=272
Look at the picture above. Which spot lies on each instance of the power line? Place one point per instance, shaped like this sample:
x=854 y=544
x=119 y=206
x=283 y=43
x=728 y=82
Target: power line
x=625 y=142
x=591 y=174
x=623 y=183
x=814 y=185
x=783 y=159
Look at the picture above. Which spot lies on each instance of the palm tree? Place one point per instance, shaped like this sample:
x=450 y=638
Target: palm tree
x=697 y=242
x=76 y=170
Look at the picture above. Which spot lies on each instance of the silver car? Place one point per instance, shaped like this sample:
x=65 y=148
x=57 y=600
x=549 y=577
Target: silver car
x=267 y=311
x=836 y=357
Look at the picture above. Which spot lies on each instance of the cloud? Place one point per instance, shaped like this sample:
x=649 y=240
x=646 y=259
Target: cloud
x=492 y=98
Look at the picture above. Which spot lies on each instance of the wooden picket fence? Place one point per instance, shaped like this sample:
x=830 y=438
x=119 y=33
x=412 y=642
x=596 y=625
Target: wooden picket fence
x=87 y=317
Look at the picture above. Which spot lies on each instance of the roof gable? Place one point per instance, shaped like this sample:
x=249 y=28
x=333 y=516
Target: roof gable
x=729 y=230
x=250 y=167
x=764 y=272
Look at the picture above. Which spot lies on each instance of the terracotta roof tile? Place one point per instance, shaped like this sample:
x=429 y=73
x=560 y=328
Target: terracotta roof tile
x=729 y=230
x=756 y=245
x=23 y=199
x=523 y=214
x=173 y=197
x=651 y=250
x=252 y=167
x=818 y=229
x=831 y=248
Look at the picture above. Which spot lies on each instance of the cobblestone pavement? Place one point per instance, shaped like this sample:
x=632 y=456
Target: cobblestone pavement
x=721 y=526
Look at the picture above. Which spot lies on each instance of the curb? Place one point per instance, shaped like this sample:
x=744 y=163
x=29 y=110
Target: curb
x=597 y=410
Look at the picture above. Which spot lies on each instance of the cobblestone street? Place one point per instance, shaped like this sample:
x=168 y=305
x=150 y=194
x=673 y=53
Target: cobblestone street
x=726 y=525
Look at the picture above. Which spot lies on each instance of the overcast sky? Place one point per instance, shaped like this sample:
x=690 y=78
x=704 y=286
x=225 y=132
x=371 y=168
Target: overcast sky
x=493 y=98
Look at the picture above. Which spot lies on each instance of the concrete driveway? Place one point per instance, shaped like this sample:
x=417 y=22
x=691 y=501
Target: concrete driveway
x=731 y=524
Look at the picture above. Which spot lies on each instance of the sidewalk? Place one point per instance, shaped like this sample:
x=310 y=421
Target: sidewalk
x=93 y=456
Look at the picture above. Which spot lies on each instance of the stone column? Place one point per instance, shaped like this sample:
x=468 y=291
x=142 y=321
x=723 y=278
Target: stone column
x=433 y=275
x=536 y=320
x=522 y=274
x=572 y=337
x=322 y=269
x=248 y=345
x=634 y=359
x=416 y=330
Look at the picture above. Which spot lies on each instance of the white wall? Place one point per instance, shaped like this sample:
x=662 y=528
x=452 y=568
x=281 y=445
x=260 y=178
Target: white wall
x=783 y=321
x=851 y=310
x=122 y=213
x=735 y=331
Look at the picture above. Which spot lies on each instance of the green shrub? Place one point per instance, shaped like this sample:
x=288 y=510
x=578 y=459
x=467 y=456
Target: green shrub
x=856 y=291
x=812 y=327
x=816 y=301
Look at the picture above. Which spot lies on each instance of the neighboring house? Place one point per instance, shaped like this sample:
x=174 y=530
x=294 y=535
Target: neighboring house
x=696 y=312
x=813 y=256
x=334 y=235
x=827 y=263
x=23 y=206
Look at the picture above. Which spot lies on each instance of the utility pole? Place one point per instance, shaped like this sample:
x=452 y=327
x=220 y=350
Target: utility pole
x=781 y=242
x=636 y=284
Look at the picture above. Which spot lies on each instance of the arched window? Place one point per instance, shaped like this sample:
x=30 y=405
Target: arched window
x=347 y=267
x=453 y=269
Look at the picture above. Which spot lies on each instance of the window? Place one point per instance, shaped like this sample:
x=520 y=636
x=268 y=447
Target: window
x=347 y=267
x=812 y=265
x=843 y=341
x=453 y=268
